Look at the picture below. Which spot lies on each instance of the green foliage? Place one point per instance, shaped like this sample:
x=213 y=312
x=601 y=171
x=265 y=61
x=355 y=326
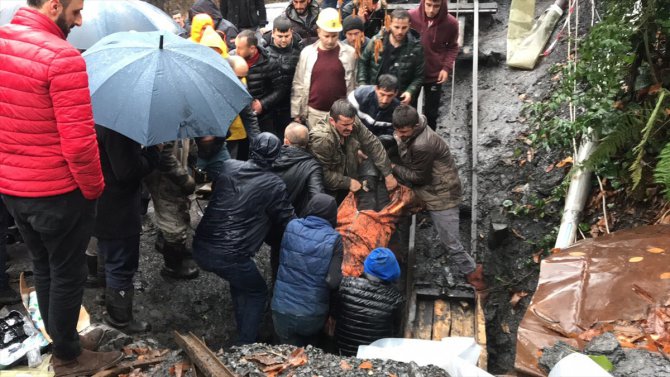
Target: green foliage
x=616 y=87
x=603 y=362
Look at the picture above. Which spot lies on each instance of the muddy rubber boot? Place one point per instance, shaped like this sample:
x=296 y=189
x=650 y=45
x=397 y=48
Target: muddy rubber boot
x=92 y=339
x=86 y=364
x=176 y=265
x=120 y=312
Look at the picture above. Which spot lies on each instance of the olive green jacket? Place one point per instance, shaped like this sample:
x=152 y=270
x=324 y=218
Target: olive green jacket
x=339 y=157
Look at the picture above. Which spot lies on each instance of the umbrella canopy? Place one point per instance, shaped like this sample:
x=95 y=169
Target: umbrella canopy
x=104 y=17
x=155 y=87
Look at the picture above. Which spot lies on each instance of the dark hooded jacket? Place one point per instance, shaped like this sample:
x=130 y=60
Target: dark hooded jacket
x=439 y=39
x=307 y=28
x=220 y=23
x=310 y=261
x=248 y=200
x=124 y=164
x=302 y=175
x=287 y=58
x=378 y=120
x=368 y=310
x=244 y=14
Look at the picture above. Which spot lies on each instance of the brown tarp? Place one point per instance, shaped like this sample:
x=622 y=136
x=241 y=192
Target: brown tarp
x=592 y=283
x=363 y=231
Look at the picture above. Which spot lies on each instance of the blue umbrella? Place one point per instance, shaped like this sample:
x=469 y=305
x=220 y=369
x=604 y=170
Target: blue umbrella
x=104 y=17
x=155 y=87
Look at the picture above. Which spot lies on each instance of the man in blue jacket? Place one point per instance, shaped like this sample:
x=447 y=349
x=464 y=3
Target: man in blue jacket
x=310 y=267
x=248 y=200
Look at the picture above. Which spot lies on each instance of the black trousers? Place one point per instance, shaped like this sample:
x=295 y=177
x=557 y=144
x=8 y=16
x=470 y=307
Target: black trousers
x=432 y=93
x=56 y=230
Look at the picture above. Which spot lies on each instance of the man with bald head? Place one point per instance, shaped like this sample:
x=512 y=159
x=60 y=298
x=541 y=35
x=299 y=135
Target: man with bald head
x=302 y=175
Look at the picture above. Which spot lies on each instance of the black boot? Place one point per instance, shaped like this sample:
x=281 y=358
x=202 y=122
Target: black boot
x=177 y=265
x=92 y=277
x=120 y=312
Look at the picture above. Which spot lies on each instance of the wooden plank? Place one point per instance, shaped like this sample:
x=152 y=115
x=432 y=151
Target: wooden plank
x=462 y=319
x=480 y=333
x=203 y=357
x=462 y=8
x=441 y=319
x=424 y=315
x=128 y=367
x=410 y=308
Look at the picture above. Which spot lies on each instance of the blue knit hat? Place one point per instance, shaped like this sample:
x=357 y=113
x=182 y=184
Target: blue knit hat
x=381 y=263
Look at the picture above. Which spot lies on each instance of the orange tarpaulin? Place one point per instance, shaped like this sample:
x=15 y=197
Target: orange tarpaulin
x=363 y=231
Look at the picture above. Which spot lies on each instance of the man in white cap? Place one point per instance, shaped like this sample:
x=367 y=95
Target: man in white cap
x=329 y=60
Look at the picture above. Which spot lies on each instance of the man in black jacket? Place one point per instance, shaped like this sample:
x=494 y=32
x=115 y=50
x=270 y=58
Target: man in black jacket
x=264 y=80
x=247 y=202
x=302 y=175
x=303 y=15
x=375 y=104
x=245 y=14
x=369 y=306
x=119 y=223
x=284 y=46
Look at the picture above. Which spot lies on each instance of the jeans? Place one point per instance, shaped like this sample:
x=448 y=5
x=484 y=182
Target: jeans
x=4 y=222
x=214 y=165
x=56 y=230
x=446 y=222
x=298 y=331
x=432 y=93
x=122 y=257
x=249 y=293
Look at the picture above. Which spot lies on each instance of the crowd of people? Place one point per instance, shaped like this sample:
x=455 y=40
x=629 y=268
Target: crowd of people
x=334 y=95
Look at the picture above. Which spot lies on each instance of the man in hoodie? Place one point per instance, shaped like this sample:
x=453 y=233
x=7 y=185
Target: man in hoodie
x=284 y=46
x=310 y=267
x=220 y=24
x=248 y=200
x=303 y=15
x=50 y=175
x=245 y=14
x=439 y=37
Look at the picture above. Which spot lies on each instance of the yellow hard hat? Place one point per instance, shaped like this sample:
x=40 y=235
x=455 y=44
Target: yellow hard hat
x=329 y=20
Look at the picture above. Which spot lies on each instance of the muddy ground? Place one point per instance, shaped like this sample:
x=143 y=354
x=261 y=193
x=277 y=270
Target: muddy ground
x=506 y=171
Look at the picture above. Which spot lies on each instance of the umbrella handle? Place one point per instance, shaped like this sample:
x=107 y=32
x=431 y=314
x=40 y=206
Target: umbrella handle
x=160 y=44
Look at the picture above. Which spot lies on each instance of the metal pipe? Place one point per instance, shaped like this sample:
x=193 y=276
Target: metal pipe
x=475 y=130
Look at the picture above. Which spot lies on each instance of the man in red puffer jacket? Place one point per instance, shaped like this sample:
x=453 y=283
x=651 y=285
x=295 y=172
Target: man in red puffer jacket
x=50 y=172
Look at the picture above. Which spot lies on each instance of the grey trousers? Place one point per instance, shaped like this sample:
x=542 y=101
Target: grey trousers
x=446 y=222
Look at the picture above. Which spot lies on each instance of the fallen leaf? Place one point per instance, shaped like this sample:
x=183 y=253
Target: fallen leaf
x=344 y=365
x=505 y=327
x=549 y=168
x=655 y=88
x=392 y=374
x=655 y=250
x=516 y=297
x=519 y=189
x=537 y=257
x=365 y=365
x=665 y=275
x=264 y=358
x=522 y=162
x=297 y=357
x=555 y=250
x=635 y=259
x=523 y=96
x=603 y=362
x=618 y=105
x=530 y=154
x=565 y=161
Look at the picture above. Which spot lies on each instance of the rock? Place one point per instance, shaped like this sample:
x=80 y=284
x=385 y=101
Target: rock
x=641 y=363
x=552 y=355
x=498 y=230
x=605 y=344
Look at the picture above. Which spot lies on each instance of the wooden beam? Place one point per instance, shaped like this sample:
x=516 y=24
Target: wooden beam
x=441 y=319
x=480 y=333
x=424 y=324
x=202 y=356
x=462 y=319
x=129 y=367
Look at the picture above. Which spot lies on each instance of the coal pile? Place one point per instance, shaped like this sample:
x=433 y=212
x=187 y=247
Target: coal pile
x=627 y=362
x=261 y=360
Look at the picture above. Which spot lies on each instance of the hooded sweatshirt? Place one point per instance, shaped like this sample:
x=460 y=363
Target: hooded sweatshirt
x=439 y=37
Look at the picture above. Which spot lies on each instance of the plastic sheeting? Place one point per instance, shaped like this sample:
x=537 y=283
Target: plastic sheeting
x=526 y=40
x=363 y=231
x=592 y=283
